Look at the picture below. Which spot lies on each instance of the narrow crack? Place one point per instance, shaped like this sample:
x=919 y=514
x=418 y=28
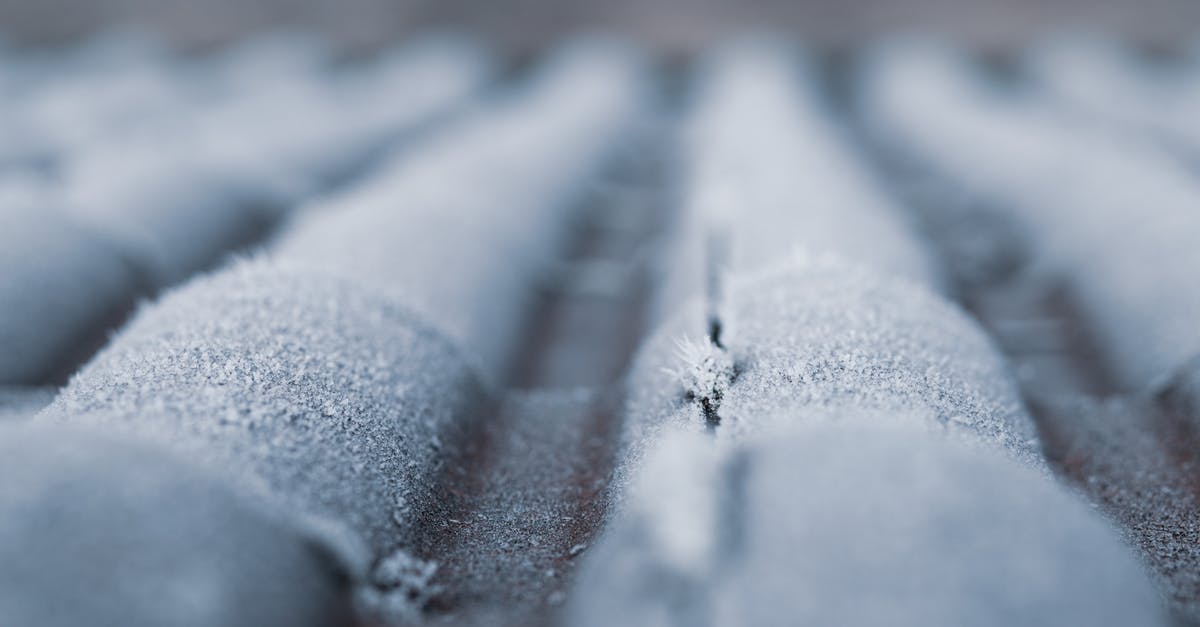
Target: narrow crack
x=717 y=251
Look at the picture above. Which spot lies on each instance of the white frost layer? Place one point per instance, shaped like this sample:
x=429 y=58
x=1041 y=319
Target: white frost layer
x=184 y=193
x=1098 y=77
x=819 y=334
x=332 y=395
x=311 y=371
x=767 y=162
x=55 y=102
x=1115 y=218
x=97 y=530
x=59 y=284
x=485 y=205
x=867 y=522
x=176 y=197
x=766 y=169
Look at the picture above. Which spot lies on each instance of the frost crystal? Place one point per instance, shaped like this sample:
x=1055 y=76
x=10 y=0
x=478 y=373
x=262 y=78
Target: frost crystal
x=401 y=585
x=824 y=335
x=705 y=371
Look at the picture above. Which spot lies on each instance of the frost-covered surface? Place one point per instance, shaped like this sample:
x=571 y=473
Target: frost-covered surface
x=767 y=169
x=1132 y=459
x=119 y=216
x=487 y=204
x=321 y=373
x=99 y=530
x=826 y=336
x=873 y=520
x=767 y=164
x=827 y=308
x=1097 y=77
x=532 y=483
x=60 y=283
x=529 y=484
x=77 y=110
x=335 y=396
x=1115 y=218
x=54 y=102
x=184 y=193
x=683 y=258
x=344 y=376
x=401 y=586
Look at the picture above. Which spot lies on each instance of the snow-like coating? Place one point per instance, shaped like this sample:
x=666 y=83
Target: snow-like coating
x=487 y=203
x=824 y=335
x=1113 y=217
x=1099 y=78
x=872 y=520
x=60 y=285
x=185 y=193
x=335 y=396
x=766 y=169
x=54 y=102
x=75 y=111
x=767 y=163
x=175 y=197
x=833 y=312
x=322 y=371
x=99 y=530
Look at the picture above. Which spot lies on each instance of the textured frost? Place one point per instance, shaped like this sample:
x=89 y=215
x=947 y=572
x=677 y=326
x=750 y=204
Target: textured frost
x=1100 y=211
x=871 y=521
x=487 y=203
x=96 y=530
x=823 y=335
x=401 y=585
x=175 y=197
x=335 y=396
x=311 y=371
x=767 y=170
